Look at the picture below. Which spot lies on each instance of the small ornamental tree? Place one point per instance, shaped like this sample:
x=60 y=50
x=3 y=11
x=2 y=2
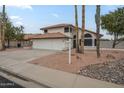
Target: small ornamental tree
x=9 y=33
x=19 y=33
x=113 y=22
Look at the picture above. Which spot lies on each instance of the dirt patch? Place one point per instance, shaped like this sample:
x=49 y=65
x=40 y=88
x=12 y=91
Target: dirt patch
x=59 y=60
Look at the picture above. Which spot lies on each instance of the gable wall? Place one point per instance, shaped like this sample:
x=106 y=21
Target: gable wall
x=61 y=30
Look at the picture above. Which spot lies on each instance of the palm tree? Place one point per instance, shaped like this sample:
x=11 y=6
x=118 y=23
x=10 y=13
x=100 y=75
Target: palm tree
x=76 y=29
x=97 y=19
x=83 y=29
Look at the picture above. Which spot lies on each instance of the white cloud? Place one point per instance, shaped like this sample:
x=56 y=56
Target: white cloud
x=15 y=18
x=24 y=6
x=18 y=23
x=55 y=15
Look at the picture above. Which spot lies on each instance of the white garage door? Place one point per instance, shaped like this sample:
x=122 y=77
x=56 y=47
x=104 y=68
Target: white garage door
x=50 y=44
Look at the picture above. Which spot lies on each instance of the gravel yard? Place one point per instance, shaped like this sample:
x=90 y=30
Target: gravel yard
x=110 y=71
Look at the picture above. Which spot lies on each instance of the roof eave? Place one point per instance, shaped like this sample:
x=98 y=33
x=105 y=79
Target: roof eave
x=51 y=38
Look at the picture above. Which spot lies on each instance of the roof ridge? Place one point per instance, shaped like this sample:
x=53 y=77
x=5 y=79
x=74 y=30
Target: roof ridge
x=56 y=25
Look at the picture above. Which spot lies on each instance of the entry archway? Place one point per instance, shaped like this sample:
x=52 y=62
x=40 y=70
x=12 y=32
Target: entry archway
x=88 y=40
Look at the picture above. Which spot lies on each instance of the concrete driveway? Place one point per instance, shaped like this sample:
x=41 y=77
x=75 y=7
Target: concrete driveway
x=9 y=57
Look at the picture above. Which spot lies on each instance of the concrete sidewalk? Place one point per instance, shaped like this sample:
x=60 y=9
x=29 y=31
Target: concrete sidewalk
x=53 y=78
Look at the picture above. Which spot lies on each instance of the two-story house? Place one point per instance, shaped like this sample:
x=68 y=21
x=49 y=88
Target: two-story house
x=55 y=37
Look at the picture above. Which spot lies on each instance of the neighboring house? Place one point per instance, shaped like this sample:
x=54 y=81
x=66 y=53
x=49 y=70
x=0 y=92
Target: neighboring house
x=26 y=42
x=55 y=37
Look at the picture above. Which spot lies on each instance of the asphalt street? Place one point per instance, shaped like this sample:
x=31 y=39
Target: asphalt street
x=5 y=83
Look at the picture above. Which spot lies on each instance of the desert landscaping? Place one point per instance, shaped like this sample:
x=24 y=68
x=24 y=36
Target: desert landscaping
x=60 y=60
x=111 y=61
x=109 y=71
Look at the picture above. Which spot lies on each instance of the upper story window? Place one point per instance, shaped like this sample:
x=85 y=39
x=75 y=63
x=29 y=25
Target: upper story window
x=45 y=31
x=87 y=35
x=70 y=29
x=66 y=29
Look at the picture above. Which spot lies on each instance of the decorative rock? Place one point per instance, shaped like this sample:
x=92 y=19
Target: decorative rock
x=111 y=71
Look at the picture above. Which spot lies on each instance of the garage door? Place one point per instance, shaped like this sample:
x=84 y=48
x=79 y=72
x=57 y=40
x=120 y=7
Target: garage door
x=50 y=44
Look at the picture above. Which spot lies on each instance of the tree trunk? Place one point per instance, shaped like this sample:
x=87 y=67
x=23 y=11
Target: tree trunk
x=3 y=28
x=76 y=29
x=83 y=29
x=8 y=41
x=114 y=41
x=97 y=17
x=1 y=47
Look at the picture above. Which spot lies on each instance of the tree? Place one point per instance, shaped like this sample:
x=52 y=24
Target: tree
x=83 y=29
x=13 y=33
x=19 y=33
x=113 y=23
x=97 y=19
x=9 y=32
x=76 y=29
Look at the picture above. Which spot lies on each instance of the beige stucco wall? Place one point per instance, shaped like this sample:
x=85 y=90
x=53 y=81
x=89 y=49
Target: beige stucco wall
x=108 y=44
x=50 y=44
x=55 y=30
x=23 y=43
x=60 y=29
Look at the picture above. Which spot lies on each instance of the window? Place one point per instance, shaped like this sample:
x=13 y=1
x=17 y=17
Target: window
x=45 y=31
x=88 y=40
x=70 y=29
x=66 y=29
x=74 y=36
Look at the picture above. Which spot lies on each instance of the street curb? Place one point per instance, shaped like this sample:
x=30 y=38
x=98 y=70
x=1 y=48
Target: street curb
x=3 y=69
x=76 y=83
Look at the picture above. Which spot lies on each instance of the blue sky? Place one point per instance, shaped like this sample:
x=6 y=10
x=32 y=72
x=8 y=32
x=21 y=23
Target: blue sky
x=33 y=17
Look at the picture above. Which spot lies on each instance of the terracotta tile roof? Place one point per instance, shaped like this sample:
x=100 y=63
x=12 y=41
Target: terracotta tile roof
x=94 y=33
x=29 y=36
x=47 y=36
x=65 y=25
x=56 y=26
